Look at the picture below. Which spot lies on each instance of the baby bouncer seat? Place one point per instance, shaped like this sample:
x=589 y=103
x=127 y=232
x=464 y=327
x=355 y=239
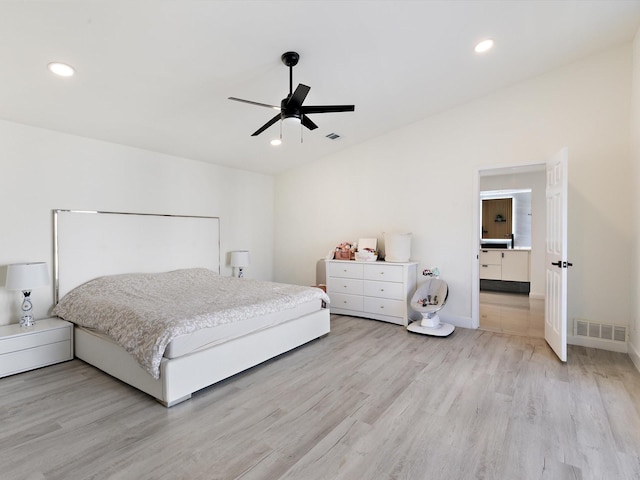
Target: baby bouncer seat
x=428 y=300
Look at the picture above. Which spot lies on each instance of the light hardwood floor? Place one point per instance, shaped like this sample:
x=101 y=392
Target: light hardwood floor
x=512 y=313
x=368 y=401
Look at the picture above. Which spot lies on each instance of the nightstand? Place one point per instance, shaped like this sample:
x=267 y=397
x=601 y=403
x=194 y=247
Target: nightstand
x=25 y=348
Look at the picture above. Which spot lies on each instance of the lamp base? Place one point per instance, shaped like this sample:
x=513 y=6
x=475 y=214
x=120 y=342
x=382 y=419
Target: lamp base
x=27 y=321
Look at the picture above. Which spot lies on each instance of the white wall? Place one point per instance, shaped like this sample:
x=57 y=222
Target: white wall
x=41 y=170
x=421 y=179
x=634 y=340
x=536 y=181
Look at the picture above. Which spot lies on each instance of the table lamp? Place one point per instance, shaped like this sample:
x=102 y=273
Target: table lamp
x=25 y=277
x=240 y=259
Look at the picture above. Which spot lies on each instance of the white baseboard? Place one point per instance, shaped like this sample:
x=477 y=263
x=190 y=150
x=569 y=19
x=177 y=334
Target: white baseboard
x=634 y=354
x=463 y=322
x=620 y=347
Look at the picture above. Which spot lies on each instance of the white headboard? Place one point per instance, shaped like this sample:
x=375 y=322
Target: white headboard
x=90 y=244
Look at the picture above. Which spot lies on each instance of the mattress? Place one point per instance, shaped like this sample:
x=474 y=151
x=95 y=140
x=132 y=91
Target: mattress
x=209 y=337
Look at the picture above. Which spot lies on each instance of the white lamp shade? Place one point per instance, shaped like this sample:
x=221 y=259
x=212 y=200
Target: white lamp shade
x=27 y=276
x=240 y=258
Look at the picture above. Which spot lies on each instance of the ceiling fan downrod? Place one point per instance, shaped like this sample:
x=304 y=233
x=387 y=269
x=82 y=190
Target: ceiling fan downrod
x=290 y=59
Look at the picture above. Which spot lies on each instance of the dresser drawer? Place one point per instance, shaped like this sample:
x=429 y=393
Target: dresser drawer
x=383 y=289
x=346 y=285
x=380 y=271
x=384 y=306
x=344 y=269
x=30 y=339
x=346 y=302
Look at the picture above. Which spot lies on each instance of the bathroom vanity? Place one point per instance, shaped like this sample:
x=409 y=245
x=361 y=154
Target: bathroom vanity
x=505 y=270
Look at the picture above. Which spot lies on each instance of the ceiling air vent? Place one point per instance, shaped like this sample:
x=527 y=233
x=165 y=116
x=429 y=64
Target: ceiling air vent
x=333 y=136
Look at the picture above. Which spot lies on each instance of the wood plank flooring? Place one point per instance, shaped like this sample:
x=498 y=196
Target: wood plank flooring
x=512 y=313
x=368 y=401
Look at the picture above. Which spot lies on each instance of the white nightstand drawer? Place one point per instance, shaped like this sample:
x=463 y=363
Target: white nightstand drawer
x=36 y=357
x=344 y=269
x=351 y=286
x=28 y=339
x=383 y=306
x=49 y=341
x=381 y=272
x=346 y=302
x=383 y=289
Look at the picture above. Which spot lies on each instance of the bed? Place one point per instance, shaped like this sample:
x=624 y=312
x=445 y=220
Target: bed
x=94 y=246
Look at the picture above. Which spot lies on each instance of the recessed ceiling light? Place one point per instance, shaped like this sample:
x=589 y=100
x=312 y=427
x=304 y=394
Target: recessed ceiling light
x=61 y=69
x=484 y=46
x=276 y=141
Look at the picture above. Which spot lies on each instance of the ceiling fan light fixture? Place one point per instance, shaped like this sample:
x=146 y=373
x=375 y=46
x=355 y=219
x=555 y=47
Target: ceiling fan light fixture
x=292 y=120
x=61 y=69
x=484 y=46
x=276 y=142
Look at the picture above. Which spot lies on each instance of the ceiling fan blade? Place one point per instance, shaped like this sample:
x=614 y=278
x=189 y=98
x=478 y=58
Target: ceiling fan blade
x=266 y=125
x=254 y=103
x=306 y=121
x=327 y=109
x=299 y=95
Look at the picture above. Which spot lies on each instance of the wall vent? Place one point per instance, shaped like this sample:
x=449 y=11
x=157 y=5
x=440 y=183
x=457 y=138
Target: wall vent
x=333 y=136
x=603 y=331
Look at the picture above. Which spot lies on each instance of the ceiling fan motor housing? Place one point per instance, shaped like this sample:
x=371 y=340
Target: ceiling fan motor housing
x=288 y=110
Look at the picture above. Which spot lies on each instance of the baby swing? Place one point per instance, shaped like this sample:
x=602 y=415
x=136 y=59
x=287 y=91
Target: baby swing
x=428 y=300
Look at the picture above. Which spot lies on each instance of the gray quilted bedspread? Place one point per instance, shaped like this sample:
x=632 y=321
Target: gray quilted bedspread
x=144 y=312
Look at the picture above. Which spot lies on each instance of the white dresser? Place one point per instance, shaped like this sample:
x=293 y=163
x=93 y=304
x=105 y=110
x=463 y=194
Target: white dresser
x=378 y=290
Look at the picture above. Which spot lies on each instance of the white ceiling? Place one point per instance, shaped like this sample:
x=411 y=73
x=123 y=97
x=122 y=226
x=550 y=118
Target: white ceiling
x=157 y=74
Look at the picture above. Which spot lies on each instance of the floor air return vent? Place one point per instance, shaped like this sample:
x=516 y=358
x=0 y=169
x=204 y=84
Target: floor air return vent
x=603 y=331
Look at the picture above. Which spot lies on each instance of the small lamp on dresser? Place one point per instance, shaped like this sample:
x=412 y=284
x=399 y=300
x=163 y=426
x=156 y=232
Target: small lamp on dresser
x=240 y=259
x=25 y=277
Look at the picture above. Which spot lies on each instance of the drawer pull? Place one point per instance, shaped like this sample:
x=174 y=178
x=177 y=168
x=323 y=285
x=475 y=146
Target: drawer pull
x=381 y=273
x=382 y=289
x=382 y=306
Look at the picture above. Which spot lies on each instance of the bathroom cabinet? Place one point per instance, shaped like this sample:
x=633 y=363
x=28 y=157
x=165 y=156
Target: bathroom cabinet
x=376 y=290
x=505 y=265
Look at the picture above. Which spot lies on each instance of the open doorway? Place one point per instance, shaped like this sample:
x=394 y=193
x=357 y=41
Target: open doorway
x=510 y=241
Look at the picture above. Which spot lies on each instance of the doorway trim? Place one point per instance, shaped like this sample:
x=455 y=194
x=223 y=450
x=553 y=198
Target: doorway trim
x=501 y=169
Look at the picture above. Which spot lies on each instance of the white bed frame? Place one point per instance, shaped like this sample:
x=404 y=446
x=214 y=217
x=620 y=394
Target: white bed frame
x=89 y=244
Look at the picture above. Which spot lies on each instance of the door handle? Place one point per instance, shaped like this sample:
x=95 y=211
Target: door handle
x=560 y=264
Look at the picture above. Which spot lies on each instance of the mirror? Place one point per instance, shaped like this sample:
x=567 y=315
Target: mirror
x=512 y=210
x=497 y=218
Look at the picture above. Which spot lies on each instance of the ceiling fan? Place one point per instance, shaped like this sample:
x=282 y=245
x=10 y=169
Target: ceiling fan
x=291 y=107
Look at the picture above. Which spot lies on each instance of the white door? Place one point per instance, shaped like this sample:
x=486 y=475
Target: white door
x=555 y=318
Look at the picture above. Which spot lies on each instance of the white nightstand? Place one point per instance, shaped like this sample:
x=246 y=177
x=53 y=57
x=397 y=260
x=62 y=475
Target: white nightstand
x=25 y=348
